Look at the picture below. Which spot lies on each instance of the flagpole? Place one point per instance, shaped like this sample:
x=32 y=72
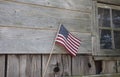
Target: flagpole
x=51 y=51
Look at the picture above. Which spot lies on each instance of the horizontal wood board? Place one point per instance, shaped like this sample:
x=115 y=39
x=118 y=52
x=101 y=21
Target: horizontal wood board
x=77 y=5
x=18 y=40
x=32 y=16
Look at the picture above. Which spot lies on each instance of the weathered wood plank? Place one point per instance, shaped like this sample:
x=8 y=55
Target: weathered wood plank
x=108 y=53
x=92 y=69
x=19 y=40
x=118 y=66
x=117 y=2
x=102 y=5
x=82 y=65
x=62 y=61
x=80 y=5
x=101 y=75
x=2 y=65
x=108 y=67
x=95 y=31
x=107 y=58
x=23 y=15
x=25 y=40
x=24 y=66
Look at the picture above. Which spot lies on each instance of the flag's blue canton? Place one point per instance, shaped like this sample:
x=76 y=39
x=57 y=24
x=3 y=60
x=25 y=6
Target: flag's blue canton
x=64 y=31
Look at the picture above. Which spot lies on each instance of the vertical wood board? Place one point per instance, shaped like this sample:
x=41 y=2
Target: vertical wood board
x=118 y=66
x=64 y=64
x=108 y=67
x=24 y=66
x=2 y=65
x=95 y=30
x=82 y=65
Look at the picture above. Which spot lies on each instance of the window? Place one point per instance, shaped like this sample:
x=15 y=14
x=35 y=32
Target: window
x=109 y=26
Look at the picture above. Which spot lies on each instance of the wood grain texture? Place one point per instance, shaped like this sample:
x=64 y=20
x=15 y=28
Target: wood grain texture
x=24 y=66
x=108 y=67
x=64 y=64
x=92 y=69
x=118 y=66
x=113 y=58
x=101 y=75
x=2 y=65
x=25 y=41
x=117 y=2
x=78 y=5
x=23 y=15
x=82 y=65
x=31 y=28
x=19 y=40
x=95 y=30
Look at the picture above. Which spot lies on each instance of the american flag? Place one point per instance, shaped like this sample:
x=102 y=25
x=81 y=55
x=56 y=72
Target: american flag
x=67 y=40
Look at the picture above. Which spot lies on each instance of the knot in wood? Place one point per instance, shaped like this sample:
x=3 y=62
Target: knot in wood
x=56 y=69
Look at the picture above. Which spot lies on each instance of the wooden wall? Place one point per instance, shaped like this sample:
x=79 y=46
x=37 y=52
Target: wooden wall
x=27 y=32
x=34 y=66
x=31 y=26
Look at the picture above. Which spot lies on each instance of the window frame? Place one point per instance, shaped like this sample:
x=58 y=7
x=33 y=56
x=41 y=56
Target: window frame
x=97 y=51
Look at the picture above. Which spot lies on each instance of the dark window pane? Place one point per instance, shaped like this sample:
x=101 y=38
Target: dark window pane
x=117 y=39
x=116 y=18
x=104 y=17
x=105 y=39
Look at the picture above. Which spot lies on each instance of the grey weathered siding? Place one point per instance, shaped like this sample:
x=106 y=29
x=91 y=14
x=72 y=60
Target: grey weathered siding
x=31 y=26
x=27 y=32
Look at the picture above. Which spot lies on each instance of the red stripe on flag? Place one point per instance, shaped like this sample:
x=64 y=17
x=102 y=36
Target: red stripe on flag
x=67 y=41
x=74 y=39
x=62 y=38
x=76 y=46
x=71 y=53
